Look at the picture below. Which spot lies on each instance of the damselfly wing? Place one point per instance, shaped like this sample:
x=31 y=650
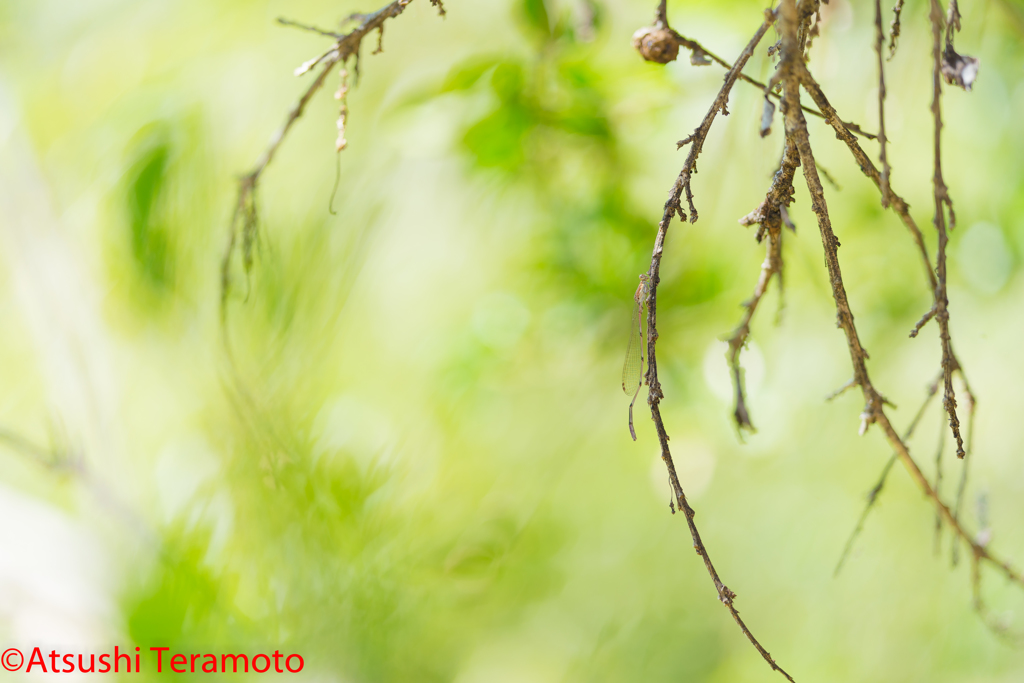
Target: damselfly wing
x=633 y=367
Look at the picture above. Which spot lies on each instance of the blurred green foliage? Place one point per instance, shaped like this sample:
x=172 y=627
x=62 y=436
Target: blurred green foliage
x=403 y=453
x=146 y=187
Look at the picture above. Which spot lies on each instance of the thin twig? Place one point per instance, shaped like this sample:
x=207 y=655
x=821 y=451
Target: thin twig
x=902 y=209
x=999 y=627
x=896 y=203
x=792 y=70
x=661 y=16
x=872 y=497
x=673 y=208
x=828 y=178
x=938 y=487
x=942 y=203
x=793 y=75
x=697 y=48
x=874 y=412
x=312 y=29
x=879 y=39
x=700 y=134
x=346 y=45
x=771 y=267
x=859 y=527
x=894 y=28
x=925 y=319
x=769 y=216
x=968 y=449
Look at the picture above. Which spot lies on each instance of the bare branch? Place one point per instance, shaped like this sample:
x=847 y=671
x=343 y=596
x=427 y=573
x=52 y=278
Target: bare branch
x=879 y=38
x=62 y=459
x=312 y=29
x=896 y=203
x=872 y=497
x=661 y=16
x=942 y=203
x=968 y=449
x=798 y=26
x=699 y=135
x=660 y=43
x=840 y=391
x=771 y=267
x=769 y=216
x=894 y=28
x=347 y=45
x=673 y=208
x=874 y=412
x=902 y=209
x=938 y=487
x=697 y=49
x=929 y=314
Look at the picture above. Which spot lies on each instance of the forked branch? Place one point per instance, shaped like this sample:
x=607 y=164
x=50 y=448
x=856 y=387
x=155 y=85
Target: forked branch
x=798 y=26
x=874 y=410
x=872 y=496
x=244 y=227
x=671 y=209
x=696 y=140
x=770 y=215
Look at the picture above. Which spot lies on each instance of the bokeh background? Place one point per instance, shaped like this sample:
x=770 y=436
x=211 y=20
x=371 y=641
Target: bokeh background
x=417 y=467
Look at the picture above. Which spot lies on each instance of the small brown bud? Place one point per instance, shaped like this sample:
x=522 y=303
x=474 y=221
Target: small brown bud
x=656 y=44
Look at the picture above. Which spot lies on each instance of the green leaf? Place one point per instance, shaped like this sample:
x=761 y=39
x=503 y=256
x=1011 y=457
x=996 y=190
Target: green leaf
x=536 y=14
x=147 y=183
x=507 y=82
x=496 y=141
x=583 y=120
x=466 y=75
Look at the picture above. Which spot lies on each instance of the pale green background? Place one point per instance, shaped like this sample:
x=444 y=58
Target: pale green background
x=419 y=469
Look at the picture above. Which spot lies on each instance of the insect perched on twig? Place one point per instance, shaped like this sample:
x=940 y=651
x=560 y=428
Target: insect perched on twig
x=632 y=368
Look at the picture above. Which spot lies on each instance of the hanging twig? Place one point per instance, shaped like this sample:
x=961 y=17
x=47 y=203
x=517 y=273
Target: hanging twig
x=662 y=32
x=874 y=412
x=771 y=267
x=879 y=39
x=769 y=215
x=968 y=449
x=938 y=487
x=797 y=27
x=872 y=497
x=243 y=224
x=902 y=209
x=894 y=28
x=673 y=208
x=942 y=204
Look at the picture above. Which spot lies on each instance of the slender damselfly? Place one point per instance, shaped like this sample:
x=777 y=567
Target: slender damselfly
x=633 y=367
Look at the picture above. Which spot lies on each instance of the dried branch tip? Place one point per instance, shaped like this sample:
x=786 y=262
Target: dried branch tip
x=957 y=69
x=894 y=28
x=766 y=117
x=342 y=96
